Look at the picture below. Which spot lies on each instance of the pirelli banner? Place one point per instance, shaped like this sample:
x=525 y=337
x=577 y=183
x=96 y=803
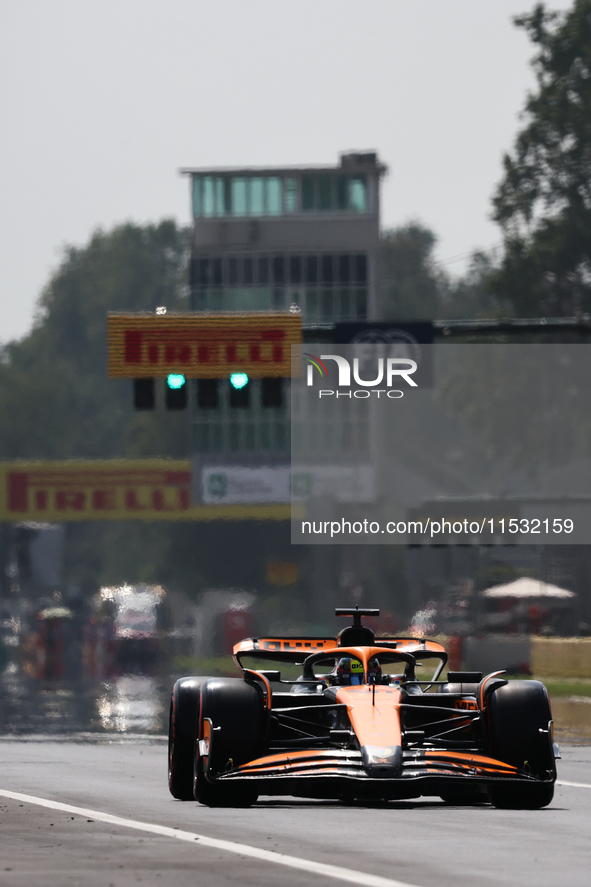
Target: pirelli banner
x=146 y=489
x=201 y=346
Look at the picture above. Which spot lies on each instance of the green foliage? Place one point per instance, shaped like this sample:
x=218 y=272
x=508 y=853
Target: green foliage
x=415 y=288
x=411 y=281
x=525 y=403
x=543 y=202
x=471 y=295
x=53 y=382
x=566 y=687
x=56 y=401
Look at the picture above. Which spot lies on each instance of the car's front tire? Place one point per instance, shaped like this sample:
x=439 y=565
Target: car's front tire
x=464 y=796
x=518 y=722
x=182 y=735
x=238 y=719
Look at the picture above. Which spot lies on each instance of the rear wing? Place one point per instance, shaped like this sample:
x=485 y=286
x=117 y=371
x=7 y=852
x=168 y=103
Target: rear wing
x=416 y=646
x=296 y=650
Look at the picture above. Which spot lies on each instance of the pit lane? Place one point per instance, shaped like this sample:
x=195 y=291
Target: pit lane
x=422 y=843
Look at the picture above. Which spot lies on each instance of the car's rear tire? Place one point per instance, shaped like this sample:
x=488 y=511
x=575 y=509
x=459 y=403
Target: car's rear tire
x=238 y=720
x=182 y=735
x=518 y=722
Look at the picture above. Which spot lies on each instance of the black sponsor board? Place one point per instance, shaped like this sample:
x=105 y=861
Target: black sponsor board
x=399 y=339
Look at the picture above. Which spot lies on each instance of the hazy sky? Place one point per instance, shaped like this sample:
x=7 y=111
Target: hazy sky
x=102 y=101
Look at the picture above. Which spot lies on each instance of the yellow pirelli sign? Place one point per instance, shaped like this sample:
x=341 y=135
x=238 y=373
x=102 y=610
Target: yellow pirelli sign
x=201 y=346
x=145 y=489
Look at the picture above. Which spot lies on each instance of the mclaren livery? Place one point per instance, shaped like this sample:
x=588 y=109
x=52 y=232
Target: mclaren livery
x=357 y=723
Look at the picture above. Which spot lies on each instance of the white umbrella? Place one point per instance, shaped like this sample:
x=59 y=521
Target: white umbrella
x=526 y=587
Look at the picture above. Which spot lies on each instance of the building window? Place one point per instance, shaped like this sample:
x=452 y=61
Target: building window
x=278 y=272
x=308 y=201
x=344 y=275
x=263 y=269
x=197 y=204
x=358 y=195
x=203 y=272
x=291 y=195
x=239 y=397
x=311 y=269
x=272 y=392
x=361 y=268
x=220 y=196
x=274 y=195
x=295 y=269
x=239 y=197
x=342 y=194
x=330 y=286
x=257 y=196
x=325 y=201
x=329 y=193
x=207 y=394
x=274 y=207
x=208 y=197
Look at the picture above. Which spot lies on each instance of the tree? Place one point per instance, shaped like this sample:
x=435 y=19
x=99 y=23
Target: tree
x=55 y=397
x=415 y=288
x=56 y=401
x=543 y=202
x=411 y=282
x=471 y=295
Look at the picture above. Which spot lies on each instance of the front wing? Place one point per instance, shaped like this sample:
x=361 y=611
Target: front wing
x=334 y=772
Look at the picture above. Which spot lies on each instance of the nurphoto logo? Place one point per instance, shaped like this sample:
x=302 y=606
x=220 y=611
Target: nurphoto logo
x=389 y=370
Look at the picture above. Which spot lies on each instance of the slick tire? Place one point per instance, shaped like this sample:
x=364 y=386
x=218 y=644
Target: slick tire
x=522 y=797
x=518 y=718
x=182 y=736
x=465 y=797
x=238 y=719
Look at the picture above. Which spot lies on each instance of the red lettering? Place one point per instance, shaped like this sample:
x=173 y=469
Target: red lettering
x=133 y=346
x=104 y=500
x=278 y=353
x=153 y=355
x=203 y=354
x=177 y=353
x=17 y=491
x=131 y=501
x=74 y=500
x=158 y=499
x=231 y=353
x=41 y=497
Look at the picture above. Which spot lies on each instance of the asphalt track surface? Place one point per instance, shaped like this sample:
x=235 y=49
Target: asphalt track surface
x=99 y=814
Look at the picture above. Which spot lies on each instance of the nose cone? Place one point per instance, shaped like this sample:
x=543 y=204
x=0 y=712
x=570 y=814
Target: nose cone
x=383 y=762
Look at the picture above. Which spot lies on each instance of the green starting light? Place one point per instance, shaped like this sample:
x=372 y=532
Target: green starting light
x=175 y=380
x=238 y=380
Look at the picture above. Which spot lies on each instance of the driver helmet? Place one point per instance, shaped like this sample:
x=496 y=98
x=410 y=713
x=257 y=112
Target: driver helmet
x=374 y=671
x=349 y=672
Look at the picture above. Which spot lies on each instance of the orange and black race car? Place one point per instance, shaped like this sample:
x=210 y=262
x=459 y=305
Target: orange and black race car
x=358 y=723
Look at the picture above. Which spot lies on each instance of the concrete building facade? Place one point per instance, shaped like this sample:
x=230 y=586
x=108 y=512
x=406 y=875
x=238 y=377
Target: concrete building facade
x=264 y=239
x=304 y=239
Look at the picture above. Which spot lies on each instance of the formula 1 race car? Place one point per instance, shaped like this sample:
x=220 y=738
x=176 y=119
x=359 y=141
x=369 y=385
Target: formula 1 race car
x=367 y=728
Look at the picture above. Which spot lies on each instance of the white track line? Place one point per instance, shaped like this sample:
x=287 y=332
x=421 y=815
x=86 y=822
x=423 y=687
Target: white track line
x=573 y=784
x=293 y=862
